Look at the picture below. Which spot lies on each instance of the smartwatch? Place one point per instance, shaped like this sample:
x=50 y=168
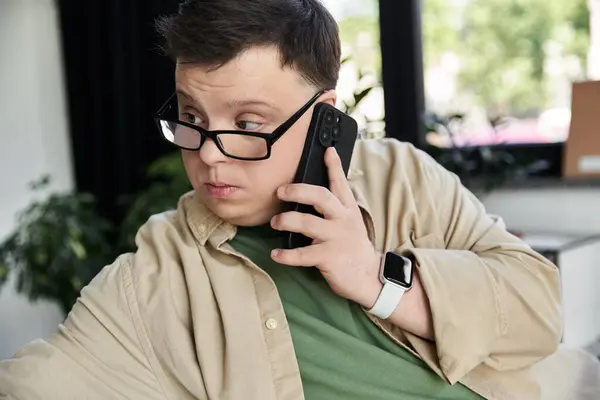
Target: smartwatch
x=396 y=274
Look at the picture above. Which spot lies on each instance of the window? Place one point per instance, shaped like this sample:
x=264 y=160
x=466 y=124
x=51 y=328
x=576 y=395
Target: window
x=359 y=90
x=502 y=70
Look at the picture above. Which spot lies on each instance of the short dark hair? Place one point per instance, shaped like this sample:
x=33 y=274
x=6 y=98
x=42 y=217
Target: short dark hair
x=214 y=32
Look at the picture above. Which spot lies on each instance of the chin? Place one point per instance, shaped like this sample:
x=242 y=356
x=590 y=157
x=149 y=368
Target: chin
x=243 y=215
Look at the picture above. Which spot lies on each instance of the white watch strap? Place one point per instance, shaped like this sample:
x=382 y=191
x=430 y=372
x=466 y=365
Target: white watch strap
x=388 y=300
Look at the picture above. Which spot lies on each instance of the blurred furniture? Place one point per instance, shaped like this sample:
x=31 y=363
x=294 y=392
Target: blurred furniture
x=578 y=260
x=568 y=374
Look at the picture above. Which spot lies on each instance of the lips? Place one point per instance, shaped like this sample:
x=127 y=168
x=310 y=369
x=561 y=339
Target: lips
x=220 y=189
x=220 y=184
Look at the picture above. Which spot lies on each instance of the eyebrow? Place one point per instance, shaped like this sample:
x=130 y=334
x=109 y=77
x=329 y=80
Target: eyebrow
x=245 y=103
x=233 y=103
x=184 y=94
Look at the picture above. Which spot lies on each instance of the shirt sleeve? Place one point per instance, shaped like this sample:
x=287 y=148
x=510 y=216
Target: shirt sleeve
x=94 y=355
x=493 y=299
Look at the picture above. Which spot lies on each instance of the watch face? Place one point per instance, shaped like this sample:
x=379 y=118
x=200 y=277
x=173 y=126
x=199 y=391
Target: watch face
x=398 y=270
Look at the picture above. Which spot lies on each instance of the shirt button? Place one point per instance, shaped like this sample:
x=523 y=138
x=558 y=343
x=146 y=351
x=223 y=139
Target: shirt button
x=271 y=324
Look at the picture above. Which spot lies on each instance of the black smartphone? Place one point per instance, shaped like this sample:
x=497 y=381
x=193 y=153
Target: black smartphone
x=328 y=127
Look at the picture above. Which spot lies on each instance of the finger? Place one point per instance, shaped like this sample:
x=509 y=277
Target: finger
x=325 y=202
x=308 y=256
x=338 y=183
x=306 y=224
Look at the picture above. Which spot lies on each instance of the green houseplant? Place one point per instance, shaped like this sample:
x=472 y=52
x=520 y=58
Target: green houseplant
x=58 y=247
x=481 y=168
x=62 y=241
x=167 y=182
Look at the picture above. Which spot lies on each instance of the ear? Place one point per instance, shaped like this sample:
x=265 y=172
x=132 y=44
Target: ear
x=329 y=96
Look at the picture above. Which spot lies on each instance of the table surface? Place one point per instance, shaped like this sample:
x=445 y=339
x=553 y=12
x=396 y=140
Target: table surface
x=557 y=241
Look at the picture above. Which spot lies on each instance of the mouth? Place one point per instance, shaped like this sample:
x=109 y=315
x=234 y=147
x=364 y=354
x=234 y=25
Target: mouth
x=220 y=190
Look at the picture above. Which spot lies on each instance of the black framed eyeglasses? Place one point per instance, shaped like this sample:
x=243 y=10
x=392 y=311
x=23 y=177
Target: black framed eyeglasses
x=240 y=145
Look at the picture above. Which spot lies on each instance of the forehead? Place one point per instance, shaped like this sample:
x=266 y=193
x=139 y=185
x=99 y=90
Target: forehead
x=257 y=70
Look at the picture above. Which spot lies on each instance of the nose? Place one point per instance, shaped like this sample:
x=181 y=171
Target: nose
x=210 y=154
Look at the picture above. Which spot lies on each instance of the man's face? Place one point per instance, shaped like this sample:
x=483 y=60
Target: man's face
x=253 y=93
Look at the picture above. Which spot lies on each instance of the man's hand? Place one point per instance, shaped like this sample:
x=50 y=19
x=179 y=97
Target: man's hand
x=341 y=249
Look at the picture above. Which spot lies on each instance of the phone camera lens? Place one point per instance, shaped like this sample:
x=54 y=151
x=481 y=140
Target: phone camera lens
x=336 y=132
x=325 y=137
x=329 y=117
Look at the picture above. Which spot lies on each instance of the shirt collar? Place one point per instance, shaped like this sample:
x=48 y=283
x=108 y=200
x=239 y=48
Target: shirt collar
x=203 y=223
x=208 y=227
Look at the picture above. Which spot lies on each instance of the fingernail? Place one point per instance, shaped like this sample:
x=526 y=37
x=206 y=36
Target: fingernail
x=275 y=252
x=281 y=191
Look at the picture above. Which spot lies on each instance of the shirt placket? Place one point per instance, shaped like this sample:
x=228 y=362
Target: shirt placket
x=287 y=383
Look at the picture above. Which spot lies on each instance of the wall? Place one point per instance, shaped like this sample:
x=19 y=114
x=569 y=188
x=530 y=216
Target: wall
x=33 y=142
x=572 y=211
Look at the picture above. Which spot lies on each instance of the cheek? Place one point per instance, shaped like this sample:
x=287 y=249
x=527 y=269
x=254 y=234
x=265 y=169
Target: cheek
x=186 y=156
x=270 y=175
x=192 y=164
x=287 y=152
x=279 y=169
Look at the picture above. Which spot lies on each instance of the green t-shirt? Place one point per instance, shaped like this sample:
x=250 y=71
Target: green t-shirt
x=340 y=352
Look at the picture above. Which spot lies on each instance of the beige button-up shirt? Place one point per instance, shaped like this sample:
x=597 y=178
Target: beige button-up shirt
x=185 y=317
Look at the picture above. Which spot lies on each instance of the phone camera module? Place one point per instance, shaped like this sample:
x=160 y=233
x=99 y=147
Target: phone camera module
x=336 y=132
x=329 y=117
x=325 y=137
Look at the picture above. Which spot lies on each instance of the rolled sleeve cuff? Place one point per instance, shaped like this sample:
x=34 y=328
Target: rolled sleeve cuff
x=465 y=305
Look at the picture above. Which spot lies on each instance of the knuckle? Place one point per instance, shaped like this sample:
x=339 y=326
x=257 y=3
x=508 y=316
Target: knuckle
x=323 y=191
x=303 y=223
x=326 y=195
x=300 y=254
x=308 y=225
x=332 y=197
x=293 y=220
x=287 y=220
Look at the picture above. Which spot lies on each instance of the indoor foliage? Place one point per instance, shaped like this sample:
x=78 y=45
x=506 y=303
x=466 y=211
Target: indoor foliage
x=62 y=242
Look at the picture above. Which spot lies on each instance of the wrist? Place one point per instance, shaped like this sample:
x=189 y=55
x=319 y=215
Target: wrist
x=372 y=286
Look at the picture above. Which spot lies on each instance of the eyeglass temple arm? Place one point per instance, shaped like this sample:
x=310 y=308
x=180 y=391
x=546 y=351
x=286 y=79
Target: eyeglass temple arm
x=164 y=107
x=294 y=118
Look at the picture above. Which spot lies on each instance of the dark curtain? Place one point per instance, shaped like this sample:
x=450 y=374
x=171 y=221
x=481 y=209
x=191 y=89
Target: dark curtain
x=116 y=80
x=402 y=69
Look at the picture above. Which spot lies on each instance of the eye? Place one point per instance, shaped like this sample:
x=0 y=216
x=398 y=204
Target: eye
x=191 y=118
x=248 y=125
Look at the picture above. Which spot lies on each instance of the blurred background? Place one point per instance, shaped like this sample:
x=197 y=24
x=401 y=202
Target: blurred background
x=484 y=86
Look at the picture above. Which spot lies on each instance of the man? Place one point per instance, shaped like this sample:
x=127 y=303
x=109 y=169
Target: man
x=211 y=307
